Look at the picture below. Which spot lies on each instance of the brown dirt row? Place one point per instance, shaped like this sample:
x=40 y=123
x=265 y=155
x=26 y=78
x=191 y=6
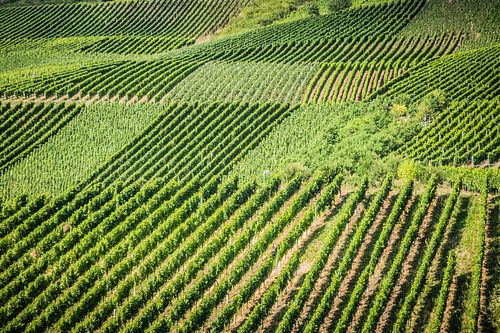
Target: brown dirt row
x=269 y=252
x=391 y=75
x=316 y=86
x=424 y=307
x=371 y=83
x=335 y=84
x=325 y=87
x=272 y=320
x=243 y=229
x=240 y=256
x=176 y=274
x=408 y=45
x=352 y=84
x=287 y=296
x=213 y=260
x=304 y=240
x=332 y=262
x=380 y=82
x=382 y=266
x=362 y=257
x=451 y=306
x=427 y=42
x=450 y=48
x=400 y=46
x=407 y=270
x=361 y=84
x=346 y=80
x=487 y=273
x=436 y=42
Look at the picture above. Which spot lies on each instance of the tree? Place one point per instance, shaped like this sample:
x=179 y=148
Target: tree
x=332 y=135
x=407 y=170
x=432 y=103
x=338 y=5
x=399 y=110
x=314 y=10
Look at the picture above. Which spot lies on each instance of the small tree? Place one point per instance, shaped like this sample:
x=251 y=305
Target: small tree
x=338 y=5
x=314 y=10
x=399 y=110
x=433 y=102
x=332 y=135
x=407 y=170
x=292 y=169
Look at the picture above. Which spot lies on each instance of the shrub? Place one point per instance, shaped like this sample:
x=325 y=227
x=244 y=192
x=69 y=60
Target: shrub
x=338 y=5
x=399 y=110
x=407 y=170
x=314 y=10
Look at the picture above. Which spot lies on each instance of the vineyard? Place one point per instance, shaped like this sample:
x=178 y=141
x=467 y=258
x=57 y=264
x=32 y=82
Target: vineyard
x=333 y=169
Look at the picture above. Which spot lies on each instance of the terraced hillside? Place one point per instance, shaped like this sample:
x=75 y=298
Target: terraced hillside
x=334 y=169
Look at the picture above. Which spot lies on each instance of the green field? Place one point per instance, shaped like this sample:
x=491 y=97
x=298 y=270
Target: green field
x=249 y=166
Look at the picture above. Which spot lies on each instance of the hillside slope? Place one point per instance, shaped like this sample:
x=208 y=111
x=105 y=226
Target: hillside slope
x=211 y=166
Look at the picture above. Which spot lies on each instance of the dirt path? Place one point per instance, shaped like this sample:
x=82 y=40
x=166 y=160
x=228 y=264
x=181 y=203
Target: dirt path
x=391 y=75
x=351 y=86
x=487 y=278
x=325 y=87
x=241 y=255
x=316 y=86
x=332 y=262
x=437 y=43
x=382 y=265
x=424 y=306
x=362 y=257
x=415 y=252
x=335 y=84
x=380 y=82
x=370 y=84
x=361 y=85
x=287 y=296
x=272 y=320
x=211 y=261
x=452 y=306
x=418 y=46
x=304 y=240
x=346 y=80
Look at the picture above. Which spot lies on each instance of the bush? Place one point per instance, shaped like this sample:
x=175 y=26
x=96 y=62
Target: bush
x=433 y=102
x=332 y=135
x=314 y=10
x=338 y=5
x=407 y=170
x=294 y=168
x=399 y=110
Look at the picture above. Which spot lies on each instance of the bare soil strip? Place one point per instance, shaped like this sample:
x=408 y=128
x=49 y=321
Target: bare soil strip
x=487 y=276
x=405 y=277
x=321 y=283
x=361 y=258
x=271 y=322
x=382 y=266
x=304 y=240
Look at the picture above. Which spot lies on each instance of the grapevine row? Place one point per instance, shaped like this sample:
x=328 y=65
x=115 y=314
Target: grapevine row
x=387 y=283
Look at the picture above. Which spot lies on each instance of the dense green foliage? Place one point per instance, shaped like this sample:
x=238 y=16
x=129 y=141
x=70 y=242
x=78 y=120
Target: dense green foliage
x=353 y=137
